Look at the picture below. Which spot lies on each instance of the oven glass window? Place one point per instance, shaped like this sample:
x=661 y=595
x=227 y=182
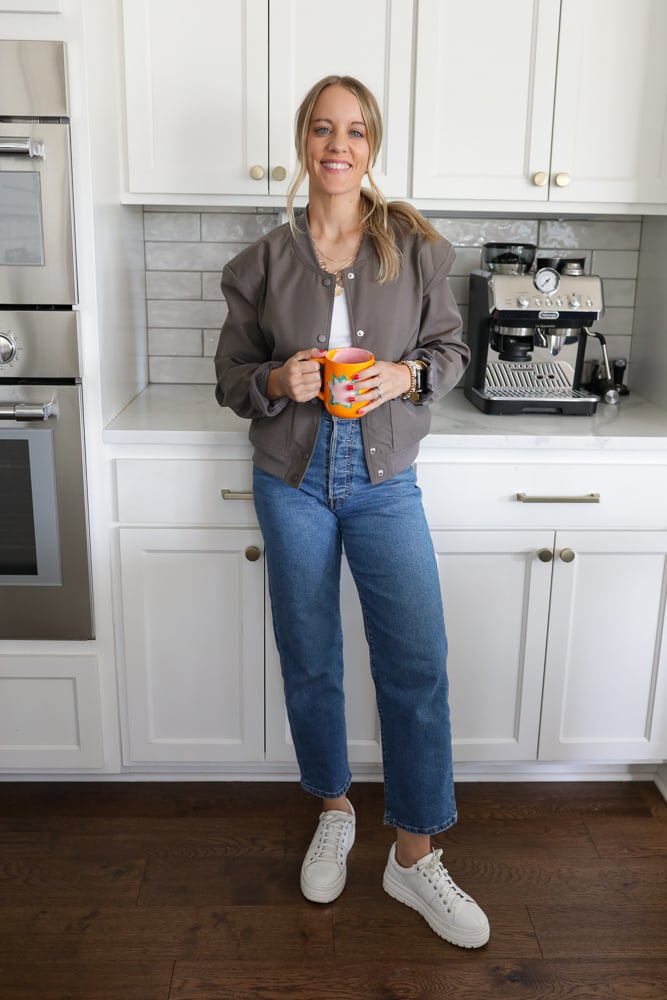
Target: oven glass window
x=21 y=224
x=29 y=524
x=18 y=552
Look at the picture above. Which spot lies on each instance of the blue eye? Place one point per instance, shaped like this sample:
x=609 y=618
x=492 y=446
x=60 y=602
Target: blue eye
x=321 y=130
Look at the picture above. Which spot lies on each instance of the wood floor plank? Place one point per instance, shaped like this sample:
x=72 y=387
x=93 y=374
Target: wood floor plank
x=74 y=980
x=220 y=882
x=190 y=838
x=279 y=934
x=623 y=837
x=470 y=978
x=579 y=930
x=33 y=878
x=525 y=800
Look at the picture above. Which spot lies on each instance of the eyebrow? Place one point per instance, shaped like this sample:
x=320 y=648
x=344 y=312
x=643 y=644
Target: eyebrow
x=330 y=122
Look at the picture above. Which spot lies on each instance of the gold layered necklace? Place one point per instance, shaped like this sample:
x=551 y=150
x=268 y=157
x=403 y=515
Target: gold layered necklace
x=335 y=267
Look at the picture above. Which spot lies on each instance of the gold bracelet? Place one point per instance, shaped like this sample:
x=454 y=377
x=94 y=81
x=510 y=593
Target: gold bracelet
x=412 y=368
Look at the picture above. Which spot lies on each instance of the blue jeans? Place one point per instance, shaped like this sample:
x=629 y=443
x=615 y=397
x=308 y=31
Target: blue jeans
x=384 y=534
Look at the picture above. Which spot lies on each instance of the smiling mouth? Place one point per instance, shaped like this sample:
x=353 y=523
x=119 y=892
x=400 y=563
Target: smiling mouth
x=335 y=165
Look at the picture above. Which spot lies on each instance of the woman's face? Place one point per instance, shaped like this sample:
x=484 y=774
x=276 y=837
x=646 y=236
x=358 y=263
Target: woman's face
x=337 y=150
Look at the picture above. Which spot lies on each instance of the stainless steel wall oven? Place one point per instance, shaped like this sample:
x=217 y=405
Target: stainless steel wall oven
x=45 y=590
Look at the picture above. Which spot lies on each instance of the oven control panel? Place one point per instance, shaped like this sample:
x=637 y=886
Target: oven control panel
x=39 y=344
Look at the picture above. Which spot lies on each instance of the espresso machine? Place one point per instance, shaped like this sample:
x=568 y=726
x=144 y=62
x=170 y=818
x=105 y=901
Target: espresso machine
x=527 y=332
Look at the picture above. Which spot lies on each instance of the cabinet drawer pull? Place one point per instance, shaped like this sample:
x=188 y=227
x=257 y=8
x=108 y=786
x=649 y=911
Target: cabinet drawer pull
x=567 y=555
x=252 y=553
x=235 y=495
x=545 y=555
x=586 y=498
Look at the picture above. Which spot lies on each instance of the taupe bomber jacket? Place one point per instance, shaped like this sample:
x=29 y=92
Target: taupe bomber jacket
x=280 y=302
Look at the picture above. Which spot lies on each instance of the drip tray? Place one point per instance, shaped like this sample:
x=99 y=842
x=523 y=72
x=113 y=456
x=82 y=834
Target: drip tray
x=532 y=386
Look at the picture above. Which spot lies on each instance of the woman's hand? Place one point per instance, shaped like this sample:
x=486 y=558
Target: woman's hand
x=384 y=380
x=300 y=378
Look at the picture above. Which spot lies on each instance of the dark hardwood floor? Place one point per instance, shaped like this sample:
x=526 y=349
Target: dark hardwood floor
x=190 y=891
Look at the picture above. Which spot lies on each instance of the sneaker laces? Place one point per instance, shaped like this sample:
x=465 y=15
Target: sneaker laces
x=445 y=886
x=331 y=831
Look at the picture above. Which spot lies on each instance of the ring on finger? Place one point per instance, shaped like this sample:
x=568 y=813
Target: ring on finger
x=379 y=391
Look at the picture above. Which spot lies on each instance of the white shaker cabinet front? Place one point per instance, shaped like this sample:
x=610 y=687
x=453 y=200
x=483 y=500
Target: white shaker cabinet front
x=605 y=680
x=193 y=601
x=541 y=101
x=212 y=89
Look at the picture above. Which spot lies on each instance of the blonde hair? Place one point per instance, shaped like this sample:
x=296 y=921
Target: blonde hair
x=378 y=213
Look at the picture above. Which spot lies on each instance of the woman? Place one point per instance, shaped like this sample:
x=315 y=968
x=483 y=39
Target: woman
x=353 y=270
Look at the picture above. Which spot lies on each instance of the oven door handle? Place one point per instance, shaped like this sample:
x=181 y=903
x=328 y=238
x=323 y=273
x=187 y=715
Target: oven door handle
x=28 y=411
x=19 y=146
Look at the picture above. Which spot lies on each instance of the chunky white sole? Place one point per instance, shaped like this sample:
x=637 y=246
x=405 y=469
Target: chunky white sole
x=463 y=939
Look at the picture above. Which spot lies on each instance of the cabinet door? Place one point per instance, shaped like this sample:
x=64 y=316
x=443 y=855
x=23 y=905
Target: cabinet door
x=484 y=88
x=193 y=618
x=363 y=728
x=496 y=596
x=605 y=691
x=310 y=39
x=611 y=102
x=196 y=82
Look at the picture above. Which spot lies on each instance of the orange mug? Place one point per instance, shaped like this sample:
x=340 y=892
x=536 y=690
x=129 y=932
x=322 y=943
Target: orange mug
x=340 y=364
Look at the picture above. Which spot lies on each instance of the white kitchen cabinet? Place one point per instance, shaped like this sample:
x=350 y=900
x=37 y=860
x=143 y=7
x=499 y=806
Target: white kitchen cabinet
x=605 y=681
x=193 y=627
x=563 y=659
x=541 y=101
x=196 y=626
x=50 y=713
x=212 y=88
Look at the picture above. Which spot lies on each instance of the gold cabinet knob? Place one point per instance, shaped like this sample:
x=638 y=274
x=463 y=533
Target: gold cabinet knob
x=253 y=553
x=540 y=178
x=279 y=173
x=257 y=172
x=562 y=180
x=545 y=555
x=567 y=556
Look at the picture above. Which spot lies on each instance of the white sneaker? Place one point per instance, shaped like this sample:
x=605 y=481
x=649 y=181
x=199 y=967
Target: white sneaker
x=324 y=870
x=428 y=888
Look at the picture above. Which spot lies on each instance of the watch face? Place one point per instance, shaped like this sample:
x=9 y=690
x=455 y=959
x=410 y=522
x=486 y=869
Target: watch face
x=547 y=280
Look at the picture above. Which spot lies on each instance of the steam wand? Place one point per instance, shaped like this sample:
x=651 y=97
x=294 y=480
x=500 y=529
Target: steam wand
x=603 y=387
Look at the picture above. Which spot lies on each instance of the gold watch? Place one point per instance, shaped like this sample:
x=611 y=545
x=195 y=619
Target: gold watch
x=417 y=379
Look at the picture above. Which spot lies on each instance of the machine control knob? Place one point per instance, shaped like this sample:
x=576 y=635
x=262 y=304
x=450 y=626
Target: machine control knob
x=523 y=301
x=589 y=303
x=574 y=302
x=7 y=349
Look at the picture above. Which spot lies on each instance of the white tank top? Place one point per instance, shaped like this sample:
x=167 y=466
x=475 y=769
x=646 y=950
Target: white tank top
x=340 y=334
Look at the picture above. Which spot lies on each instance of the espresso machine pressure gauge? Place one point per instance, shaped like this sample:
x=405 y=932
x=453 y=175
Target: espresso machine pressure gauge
x=547 y=280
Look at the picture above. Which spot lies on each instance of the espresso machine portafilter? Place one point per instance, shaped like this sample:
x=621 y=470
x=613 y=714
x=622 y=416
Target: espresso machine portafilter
x=527 y=333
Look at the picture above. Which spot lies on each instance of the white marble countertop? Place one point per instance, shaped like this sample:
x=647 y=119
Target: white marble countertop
x=189 y=415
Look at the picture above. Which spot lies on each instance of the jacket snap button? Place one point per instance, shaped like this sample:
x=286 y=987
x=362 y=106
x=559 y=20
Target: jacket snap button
x=372 y=451
x=360 y=333
x=321 y=339
x=350 y=275
x=380 y=472
x=326 y=281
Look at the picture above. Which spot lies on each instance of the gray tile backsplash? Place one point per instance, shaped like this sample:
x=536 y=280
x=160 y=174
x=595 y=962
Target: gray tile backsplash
x=185 y=252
